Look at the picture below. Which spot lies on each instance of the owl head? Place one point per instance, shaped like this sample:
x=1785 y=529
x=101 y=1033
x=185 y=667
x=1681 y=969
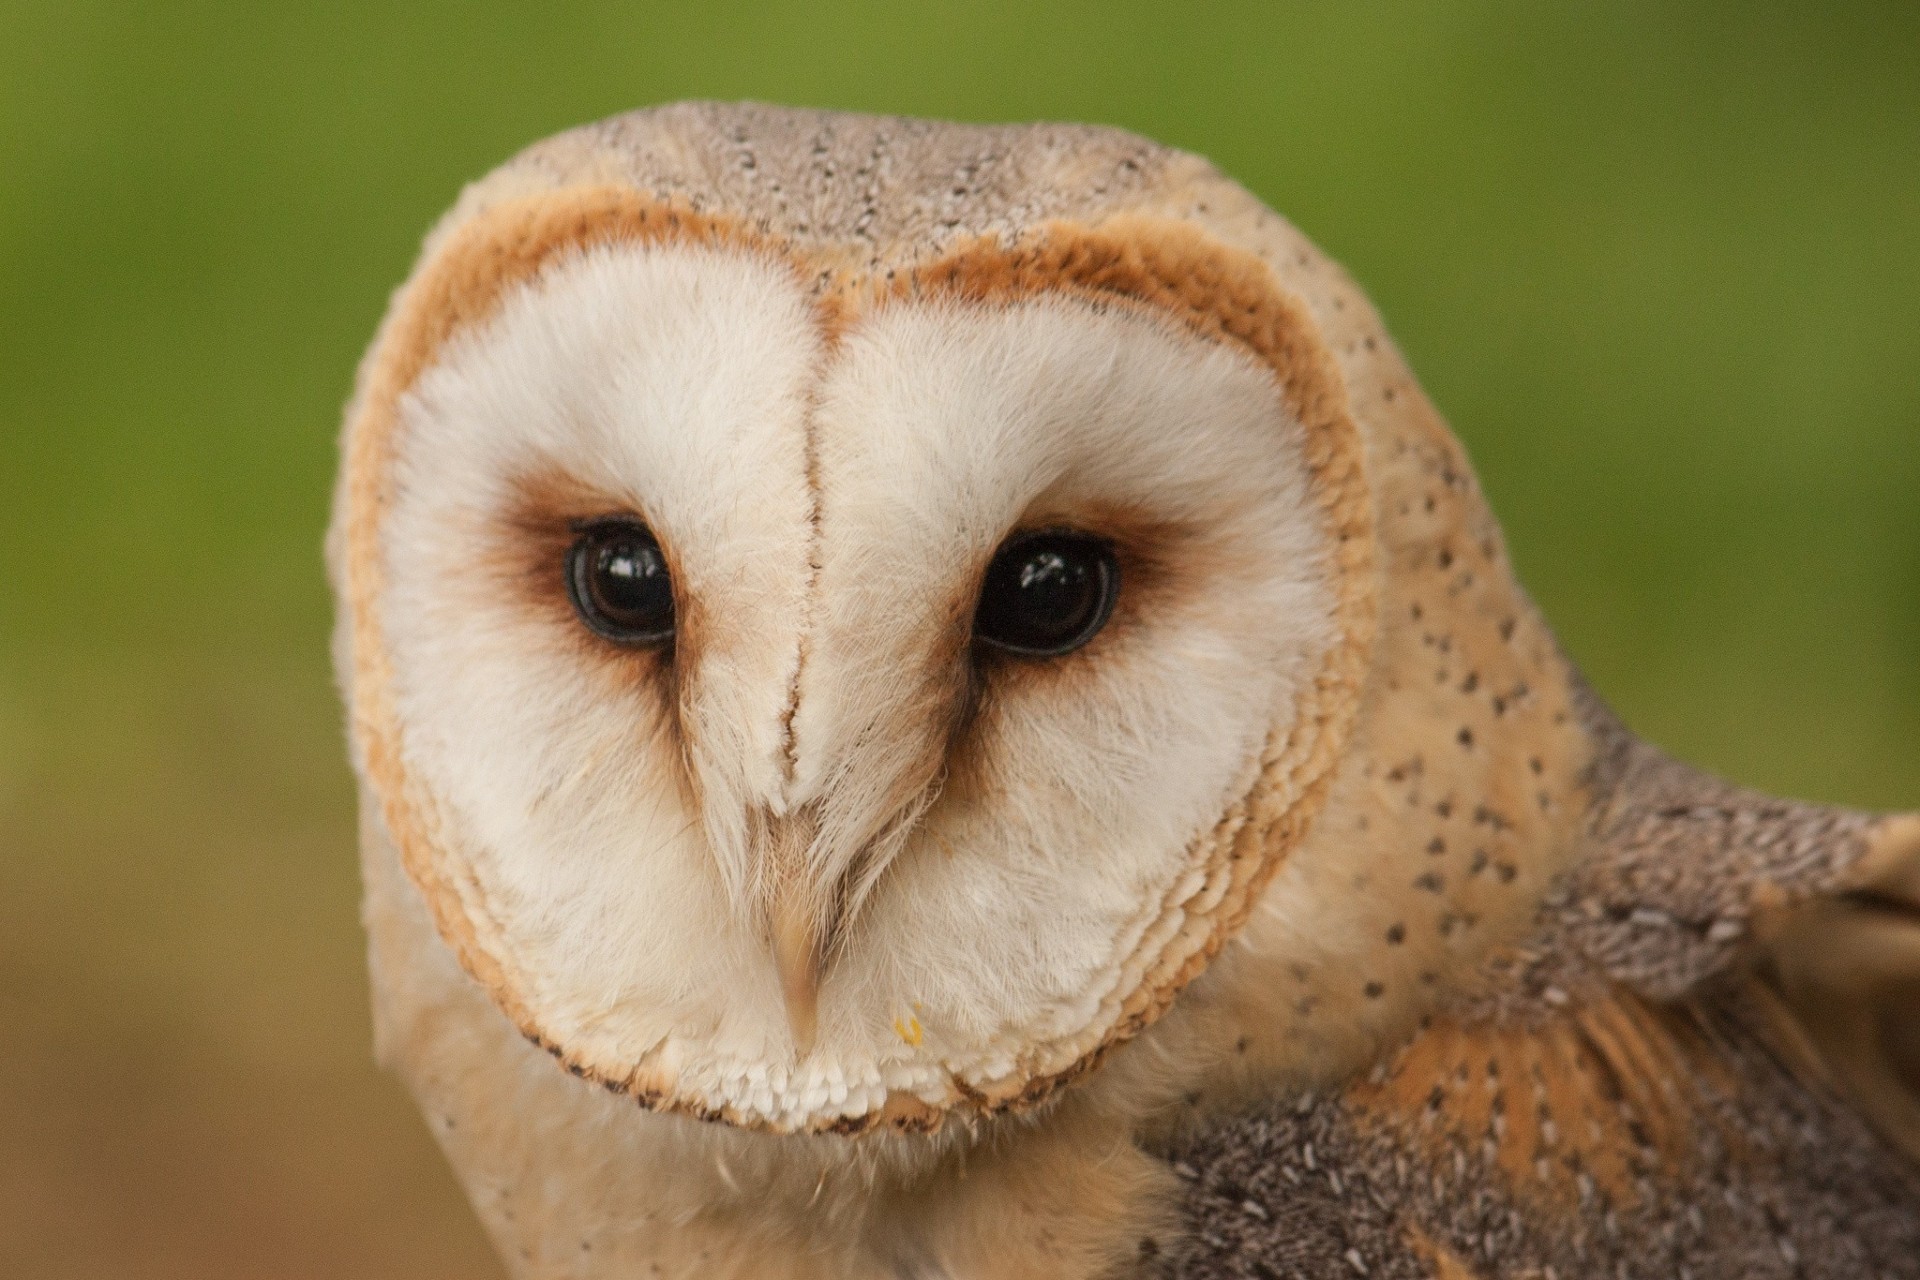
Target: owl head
x=844 y=617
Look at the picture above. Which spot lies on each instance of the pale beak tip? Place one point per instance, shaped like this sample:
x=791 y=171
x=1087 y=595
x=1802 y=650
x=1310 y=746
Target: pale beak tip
x=803 y=1021
x=797 y=956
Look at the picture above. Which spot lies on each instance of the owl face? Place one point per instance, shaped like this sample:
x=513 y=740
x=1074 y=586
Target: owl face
x=815 y=697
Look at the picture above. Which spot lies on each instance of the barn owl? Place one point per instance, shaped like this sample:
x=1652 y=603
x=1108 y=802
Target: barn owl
x=935 y=701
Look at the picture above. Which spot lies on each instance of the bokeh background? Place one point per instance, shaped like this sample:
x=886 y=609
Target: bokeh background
x=1659 y=262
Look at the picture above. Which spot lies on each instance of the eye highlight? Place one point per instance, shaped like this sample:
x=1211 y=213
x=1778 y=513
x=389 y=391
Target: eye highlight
x=618 y=581
x=1047 y=593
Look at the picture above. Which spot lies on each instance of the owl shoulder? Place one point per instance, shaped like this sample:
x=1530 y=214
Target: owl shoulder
x=1699 y=1063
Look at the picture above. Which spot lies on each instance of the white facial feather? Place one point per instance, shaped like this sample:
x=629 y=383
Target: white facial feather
x=672 y=384
x=994 y=843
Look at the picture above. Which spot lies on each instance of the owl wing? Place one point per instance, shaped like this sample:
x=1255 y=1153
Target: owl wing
x=1706 y=1064
x=1693 y=889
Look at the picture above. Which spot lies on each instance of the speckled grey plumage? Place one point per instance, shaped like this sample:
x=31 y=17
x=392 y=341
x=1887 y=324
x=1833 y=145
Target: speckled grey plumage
x=1790 y=1183
x=1665 y=894
x=896 y=185
x=1787 y=1179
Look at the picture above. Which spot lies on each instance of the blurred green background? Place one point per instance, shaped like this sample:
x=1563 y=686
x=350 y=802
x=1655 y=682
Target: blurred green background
x=1660 y=264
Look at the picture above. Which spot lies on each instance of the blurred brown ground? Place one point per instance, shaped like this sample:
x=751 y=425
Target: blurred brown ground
x=187 y=1087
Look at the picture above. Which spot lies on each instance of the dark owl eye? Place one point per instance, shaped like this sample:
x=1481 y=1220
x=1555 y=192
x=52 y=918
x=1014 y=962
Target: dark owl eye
x=1047 y=593
x=617 y=578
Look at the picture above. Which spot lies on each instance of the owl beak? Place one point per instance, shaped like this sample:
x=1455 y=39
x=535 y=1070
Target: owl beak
x=796 y=957
x=796 y=929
